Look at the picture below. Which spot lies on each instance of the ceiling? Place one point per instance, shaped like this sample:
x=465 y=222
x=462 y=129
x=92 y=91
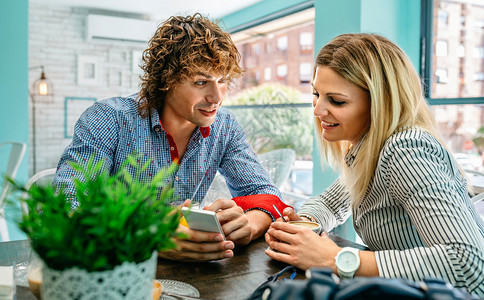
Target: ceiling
x=160 y=9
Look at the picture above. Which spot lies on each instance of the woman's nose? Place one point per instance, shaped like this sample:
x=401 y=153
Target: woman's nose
x=319 y=108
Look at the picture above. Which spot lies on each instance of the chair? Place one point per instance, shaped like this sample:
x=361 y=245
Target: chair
x=478 y=201
x=479 y=205
x=17 y=152
x=41 y=178
x=218 y=190
x=277 y=163
x=477 y=197
x=476 y=180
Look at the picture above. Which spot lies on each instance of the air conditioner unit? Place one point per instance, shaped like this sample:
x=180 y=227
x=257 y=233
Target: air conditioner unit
x=100 y=27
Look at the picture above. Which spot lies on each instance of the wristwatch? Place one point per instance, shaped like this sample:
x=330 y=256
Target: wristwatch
x=347 y=262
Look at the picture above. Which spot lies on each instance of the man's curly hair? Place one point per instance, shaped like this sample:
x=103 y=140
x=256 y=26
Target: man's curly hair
x=181 y=48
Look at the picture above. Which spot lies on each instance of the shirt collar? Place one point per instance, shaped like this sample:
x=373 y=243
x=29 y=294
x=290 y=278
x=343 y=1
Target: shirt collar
x=205 y=131
x=353 y=151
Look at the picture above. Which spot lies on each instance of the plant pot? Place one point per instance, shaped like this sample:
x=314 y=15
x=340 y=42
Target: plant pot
x=127 y=281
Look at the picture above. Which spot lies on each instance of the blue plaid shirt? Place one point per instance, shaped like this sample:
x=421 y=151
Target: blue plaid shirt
x=112 y=129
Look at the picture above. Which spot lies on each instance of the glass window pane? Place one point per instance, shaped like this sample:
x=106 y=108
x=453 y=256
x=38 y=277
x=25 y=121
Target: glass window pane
x=281 y=71
x=443 y=18
x=282 y=42
x=267 y=74
x=306 y=41
x=441 y=48
x=275 y=109
x=458 y=57
x=462 y=129
x=305 y=72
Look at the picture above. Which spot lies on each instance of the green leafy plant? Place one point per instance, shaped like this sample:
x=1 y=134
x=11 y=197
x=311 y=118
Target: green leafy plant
x=119 y=218
x=269 y=126
x=478 y=139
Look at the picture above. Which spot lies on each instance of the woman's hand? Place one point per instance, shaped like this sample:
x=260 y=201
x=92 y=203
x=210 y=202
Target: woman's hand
x=289 y=215
x=300 y=246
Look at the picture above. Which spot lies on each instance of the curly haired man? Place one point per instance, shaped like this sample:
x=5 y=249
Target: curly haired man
x=177 y=118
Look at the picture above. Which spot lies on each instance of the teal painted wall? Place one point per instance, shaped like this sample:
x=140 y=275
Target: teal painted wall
x=14 y=121
x=398 y=20
x=257 y=11
x=332 y=18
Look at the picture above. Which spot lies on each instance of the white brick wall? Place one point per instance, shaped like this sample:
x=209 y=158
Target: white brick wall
x=56 y=39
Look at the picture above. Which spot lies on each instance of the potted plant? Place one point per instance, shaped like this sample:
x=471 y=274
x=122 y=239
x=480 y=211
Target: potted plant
x=107 y=247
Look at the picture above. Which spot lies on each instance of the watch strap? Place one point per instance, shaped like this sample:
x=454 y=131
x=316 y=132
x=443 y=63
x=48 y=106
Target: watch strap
x=310 y=218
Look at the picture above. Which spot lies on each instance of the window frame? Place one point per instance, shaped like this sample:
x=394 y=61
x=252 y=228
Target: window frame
x=427 y=51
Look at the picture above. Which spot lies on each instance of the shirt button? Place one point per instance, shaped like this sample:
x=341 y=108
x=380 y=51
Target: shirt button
x=172 y=148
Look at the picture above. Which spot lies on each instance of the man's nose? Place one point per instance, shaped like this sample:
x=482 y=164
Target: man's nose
x=216 y=94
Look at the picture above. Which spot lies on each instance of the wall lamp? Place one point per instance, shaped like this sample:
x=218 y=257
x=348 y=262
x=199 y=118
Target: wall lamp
x=42 y=89
x=42 y=92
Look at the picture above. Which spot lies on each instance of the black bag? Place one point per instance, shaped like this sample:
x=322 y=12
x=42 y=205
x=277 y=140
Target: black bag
x=257 y=294
x=323 y=285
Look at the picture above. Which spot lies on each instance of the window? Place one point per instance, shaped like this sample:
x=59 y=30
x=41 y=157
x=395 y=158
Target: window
x=281 y=71
x=255 y=49
x=461 y=50
x=441 y=48
x=305 y=72
x=268 y=47
x=282 y=42
x=478 y=52
x=441 y=75
x=282 y=95
x=306 y=41
x=443 y=18
x=257 y=76
x=267 y=74
x=479 y=24
x=454 y=76
x=458 y=50
x=479 y=76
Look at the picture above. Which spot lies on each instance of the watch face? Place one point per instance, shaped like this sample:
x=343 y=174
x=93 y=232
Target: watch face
x=347 y=261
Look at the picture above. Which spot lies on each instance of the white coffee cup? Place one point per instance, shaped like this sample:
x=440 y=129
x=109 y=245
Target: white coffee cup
x=316 y=227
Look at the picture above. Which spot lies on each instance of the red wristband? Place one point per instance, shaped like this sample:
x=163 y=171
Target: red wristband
x=264 y=202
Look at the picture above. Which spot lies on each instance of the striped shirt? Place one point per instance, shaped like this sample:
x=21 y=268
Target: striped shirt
x=416 y=215
x=112 y=129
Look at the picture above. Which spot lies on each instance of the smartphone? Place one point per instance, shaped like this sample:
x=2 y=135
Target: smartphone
x=202 y=220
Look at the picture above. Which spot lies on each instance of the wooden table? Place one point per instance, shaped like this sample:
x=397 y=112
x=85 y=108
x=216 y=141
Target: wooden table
x=234 y=278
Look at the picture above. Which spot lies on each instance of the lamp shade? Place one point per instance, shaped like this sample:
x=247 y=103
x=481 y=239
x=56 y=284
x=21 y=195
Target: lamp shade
x=43 y=89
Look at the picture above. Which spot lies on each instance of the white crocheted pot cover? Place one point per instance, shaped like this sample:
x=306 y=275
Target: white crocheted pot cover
x=127 y=281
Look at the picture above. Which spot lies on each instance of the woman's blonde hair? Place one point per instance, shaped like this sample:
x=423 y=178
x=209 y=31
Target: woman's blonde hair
x=380 y=67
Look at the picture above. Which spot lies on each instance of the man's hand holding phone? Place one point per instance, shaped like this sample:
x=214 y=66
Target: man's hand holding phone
x=199 y=245
x=202 y=220
x=234 y=221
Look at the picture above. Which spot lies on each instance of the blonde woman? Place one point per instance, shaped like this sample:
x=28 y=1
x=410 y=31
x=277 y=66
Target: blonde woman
x=408 y=196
